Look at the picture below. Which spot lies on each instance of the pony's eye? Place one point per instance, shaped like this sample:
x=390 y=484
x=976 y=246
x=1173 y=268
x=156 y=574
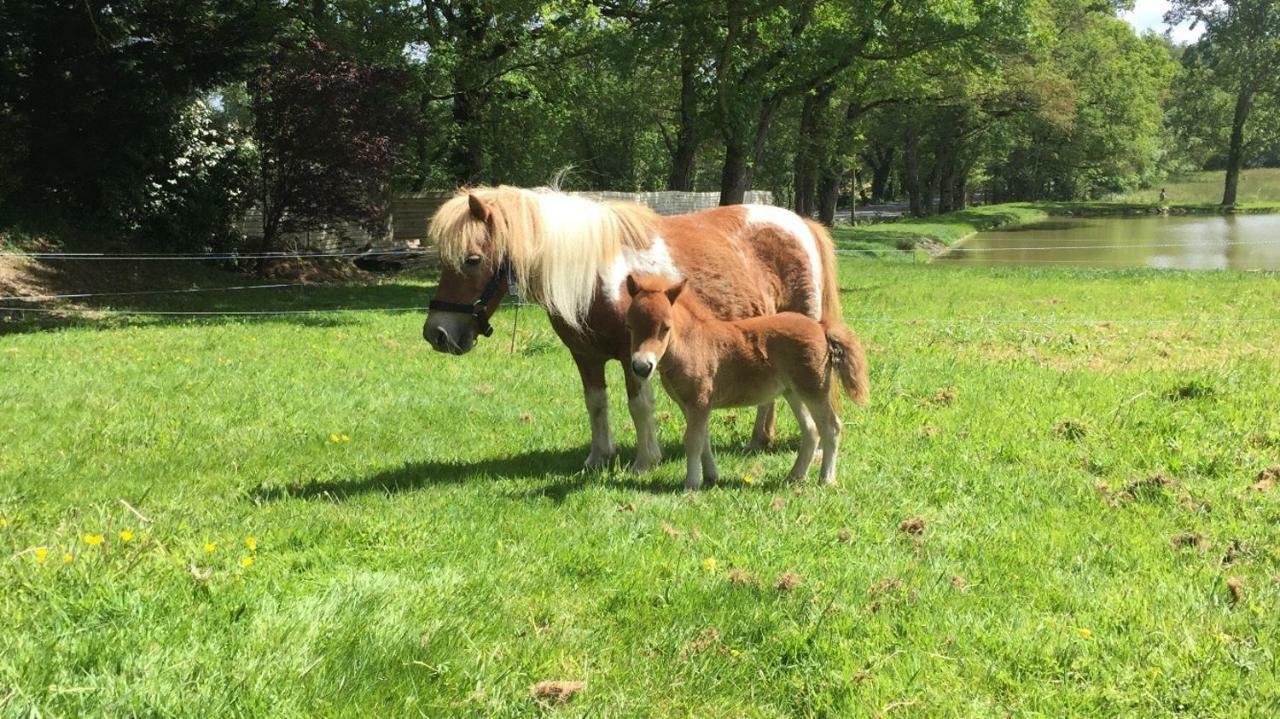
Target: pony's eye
x=665 y=330
x=472 y=260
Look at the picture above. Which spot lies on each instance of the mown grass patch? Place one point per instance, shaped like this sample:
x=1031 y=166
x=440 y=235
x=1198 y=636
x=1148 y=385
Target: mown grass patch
x=1257 y=186
x=423 y=541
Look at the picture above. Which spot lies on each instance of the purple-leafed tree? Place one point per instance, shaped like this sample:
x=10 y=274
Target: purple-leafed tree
x=327 y=130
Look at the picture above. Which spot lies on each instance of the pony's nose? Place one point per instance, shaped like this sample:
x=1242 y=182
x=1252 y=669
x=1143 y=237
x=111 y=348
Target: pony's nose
x=438 y=337
x=642 y=367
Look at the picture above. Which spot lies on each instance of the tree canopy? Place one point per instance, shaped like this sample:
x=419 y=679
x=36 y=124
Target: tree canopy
x=152 y=117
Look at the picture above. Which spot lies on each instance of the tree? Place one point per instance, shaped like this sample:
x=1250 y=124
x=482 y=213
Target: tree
x=91 y=92
x=327 y=131
x=1241 y=45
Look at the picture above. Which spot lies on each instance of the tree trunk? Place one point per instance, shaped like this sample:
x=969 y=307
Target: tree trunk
x=911 y=172
x=809 y=147
x=685 y=157
x=828 y=196
x=1235 y=156
x=734 y=177
x=881 y=162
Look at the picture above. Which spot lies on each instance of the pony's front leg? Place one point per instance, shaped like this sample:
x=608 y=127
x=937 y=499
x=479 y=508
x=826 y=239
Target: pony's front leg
x=640 y=402
x=695 y=437
x=710 y=475
x=593 y=389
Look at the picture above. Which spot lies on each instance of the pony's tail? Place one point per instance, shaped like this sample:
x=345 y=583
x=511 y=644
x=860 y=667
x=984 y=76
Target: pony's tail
x=831 y=309
x=848 y=360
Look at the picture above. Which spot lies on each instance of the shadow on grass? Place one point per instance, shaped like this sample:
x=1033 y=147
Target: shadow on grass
x=561 y=469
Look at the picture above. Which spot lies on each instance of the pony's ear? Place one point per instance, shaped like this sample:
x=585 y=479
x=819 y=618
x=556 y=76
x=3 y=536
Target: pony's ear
x=479 y=209
x=632 y=287
x=674 y=290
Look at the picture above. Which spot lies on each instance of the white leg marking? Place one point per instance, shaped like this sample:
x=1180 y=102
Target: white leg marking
x=601 y=441
x=648 y=451
x=793 y=225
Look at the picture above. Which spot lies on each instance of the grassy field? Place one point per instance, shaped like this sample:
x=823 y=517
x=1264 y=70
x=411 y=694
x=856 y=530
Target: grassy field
x=1256 y=186
x=341 y=522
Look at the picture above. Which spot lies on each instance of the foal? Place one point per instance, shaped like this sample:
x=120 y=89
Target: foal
x=707 y=363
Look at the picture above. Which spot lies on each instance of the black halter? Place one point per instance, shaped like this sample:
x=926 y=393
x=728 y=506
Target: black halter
x=480 y=308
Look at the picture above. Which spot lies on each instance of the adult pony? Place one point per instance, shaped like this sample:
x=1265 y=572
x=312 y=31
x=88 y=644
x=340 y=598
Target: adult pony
x=572 y=256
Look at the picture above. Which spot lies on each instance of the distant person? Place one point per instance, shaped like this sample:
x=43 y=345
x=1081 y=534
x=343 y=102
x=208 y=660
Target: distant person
x=1164 y=196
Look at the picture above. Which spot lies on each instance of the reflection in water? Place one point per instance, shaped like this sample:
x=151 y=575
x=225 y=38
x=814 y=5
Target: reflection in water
x=1238 y=242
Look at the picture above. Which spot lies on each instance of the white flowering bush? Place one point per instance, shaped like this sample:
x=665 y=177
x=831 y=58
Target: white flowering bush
x=195 y=202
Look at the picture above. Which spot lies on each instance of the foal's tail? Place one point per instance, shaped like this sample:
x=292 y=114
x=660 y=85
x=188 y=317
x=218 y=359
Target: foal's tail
x=849 y=361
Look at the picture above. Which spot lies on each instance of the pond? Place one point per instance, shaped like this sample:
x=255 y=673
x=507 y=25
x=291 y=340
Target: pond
x=1183 y=242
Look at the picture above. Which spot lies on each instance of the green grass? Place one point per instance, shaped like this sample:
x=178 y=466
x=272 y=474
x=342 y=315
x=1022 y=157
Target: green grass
x=1257 y=187
x=451 y=553
x=948 y=229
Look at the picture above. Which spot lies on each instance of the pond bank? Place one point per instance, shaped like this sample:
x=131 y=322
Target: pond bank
x=937 y=234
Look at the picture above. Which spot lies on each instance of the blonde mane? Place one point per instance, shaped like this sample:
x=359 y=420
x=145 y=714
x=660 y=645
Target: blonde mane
x=560 y=246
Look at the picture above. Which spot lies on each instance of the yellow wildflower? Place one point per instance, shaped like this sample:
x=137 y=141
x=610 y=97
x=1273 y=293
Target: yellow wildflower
x=748 y=479
x=93 y=539
x=734 y=652
x=4 y=522
x=334 y=438
x=345 y=438
x=67 y=558
x=126 y=535
x=251 y=543
x=709 y=564
x=42 y=553
x=246 y=562
x=1085 y=634
x=210 y=547
x=1224 y=637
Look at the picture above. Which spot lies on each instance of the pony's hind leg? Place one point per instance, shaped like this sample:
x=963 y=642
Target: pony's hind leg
x=763 y=431
x=640 y=402
x=808 y=438
x=591 y=371
x=824 y=414
x=696 y=420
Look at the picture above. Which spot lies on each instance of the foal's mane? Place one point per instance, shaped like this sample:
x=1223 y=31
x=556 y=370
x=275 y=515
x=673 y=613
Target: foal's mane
x=559 y=245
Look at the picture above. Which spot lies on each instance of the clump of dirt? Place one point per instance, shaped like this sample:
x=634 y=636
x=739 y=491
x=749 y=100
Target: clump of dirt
x=1183 y=540
x=912 y=525
x=554 y=691
x=741 y=577
x=671 y=531
x=959 y=583
x=777 y=504
x=1071 y=429
x=1266 y=479
x=707 y=639
x=628 y=507
x=1152 y=487
x=1234 y=552
x=1192 y=389
x=1236 y=586
x=787 y=581
x=942 y=398
x=844 y=536
x=312 y=270
x=885 y=586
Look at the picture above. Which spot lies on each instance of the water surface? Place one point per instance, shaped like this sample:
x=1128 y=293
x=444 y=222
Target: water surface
x=1186 y=242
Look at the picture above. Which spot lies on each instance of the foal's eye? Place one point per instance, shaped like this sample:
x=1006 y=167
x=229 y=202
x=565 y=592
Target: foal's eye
x=472 y=260
x=663 y=332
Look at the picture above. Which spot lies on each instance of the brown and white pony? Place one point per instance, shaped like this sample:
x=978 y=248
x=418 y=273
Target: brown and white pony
x=572 y=256
x=708 y=363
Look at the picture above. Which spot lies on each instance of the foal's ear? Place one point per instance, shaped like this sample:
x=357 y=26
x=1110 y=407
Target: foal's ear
x=674 y=290
x=479 y=209
x=632 y=287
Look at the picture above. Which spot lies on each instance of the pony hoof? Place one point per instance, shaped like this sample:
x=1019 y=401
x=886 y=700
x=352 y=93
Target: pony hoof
x=758 y=444
x=692 y=486
x=710 y=480
x=644 y=464
x=598 y=461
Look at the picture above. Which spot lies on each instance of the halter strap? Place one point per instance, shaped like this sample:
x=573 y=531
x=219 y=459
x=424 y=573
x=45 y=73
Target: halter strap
x=479 y=310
